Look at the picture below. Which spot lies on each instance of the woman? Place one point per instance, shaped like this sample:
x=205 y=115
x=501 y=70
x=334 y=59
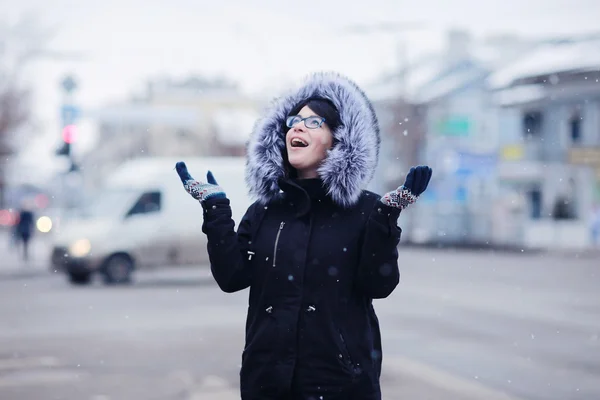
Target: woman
x=315 y=249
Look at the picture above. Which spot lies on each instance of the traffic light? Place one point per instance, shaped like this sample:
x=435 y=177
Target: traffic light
x=69 y=135
x=64 y=150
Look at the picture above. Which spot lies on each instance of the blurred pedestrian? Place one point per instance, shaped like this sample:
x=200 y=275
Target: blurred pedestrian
x=24 y=227
x=315 y=249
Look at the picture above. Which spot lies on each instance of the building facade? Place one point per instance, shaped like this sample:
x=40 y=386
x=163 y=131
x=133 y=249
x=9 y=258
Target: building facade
x=550 y=143
x=193 y=117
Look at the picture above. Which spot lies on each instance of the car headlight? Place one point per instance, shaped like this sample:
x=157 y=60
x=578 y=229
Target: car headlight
x=44 y=224
x=80 y=248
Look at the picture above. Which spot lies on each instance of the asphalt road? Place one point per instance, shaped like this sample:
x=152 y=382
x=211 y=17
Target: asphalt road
x=462 y=325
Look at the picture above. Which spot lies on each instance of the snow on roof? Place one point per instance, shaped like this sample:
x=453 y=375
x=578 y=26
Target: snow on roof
x=446 y=85
x=431 y=80
x=519 y=95
x=431 y=77
x=419 y=74
x=548 y=59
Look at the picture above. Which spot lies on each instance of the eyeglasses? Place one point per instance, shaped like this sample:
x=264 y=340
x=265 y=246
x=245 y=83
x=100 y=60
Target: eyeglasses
x=312 y=122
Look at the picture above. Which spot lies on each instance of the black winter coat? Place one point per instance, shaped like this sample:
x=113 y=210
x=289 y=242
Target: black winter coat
x=313 y=268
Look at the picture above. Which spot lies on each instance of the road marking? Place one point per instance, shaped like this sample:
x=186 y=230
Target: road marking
x=40 y=377
x=214 y=382
x=443 y=380
x=28 y=362
x=218 y=389
x=455 y=386
x=26 y=371
x=223 y=395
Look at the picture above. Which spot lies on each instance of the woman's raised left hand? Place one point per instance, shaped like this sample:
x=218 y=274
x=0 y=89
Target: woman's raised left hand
x=415 y=184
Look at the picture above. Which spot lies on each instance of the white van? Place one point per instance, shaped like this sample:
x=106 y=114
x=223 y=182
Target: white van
x=143 y=218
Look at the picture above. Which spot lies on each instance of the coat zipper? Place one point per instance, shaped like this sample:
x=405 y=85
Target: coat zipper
x=277 y=242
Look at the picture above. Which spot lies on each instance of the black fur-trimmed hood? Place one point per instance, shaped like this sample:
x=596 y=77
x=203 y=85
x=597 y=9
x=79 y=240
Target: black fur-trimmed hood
x=349 y=165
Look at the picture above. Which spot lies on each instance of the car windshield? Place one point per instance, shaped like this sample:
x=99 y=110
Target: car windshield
x=108 y=204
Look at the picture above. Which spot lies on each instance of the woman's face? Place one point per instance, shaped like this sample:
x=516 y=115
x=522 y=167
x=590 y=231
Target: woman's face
x=307 y=148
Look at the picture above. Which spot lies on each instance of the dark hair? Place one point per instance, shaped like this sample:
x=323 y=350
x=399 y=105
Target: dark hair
x=323 y=108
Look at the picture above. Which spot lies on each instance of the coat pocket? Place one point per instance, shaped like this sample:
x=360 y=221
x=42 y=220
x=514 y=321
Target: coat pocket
x=345 y=355
x=262 y=336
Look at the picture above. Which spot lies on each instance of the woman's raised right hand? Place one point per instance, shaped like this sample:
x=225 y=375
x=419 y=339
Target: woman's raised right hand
x=199 y=190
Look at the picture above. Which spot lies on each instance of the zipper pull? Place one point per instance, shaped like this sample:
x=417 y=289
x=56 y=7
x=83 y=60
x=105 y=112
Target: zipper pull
x=250 y=254
x=281 y=225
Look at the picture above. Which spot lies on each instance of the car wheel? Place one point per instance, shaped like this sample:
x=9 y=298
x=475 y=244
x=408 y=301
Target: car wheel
x=79 y=278
x=117 y=269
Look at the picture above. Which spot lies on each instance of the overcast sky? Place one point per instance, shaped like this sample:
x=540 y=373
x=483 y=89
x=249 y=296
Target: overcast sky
x=125 y=41
x=258 y=42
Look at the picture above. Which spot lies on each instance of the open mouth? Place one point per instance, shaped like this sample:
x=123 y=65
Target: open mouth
x=297 y=142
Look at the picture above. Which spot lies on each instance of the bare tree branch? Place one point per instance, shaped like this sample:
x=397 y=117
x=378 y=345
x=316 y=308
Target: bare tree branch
x=20 y=43
x=14 y=111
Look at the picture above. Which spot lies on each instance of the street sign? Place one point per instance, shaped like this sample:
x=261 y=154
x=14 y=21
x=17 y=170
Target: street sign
x=456 y=126
x=69 y=84
x=69 y=114
x=461 y=195
x=478 y=164
x=512 y=152
x=589 y=156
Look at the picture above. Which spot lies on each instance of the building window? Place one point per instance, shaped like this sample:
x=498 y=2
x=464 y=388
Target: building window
x=575 y=127
x=563 y=208
x=564 y=203
x=535 y=203
x=532 y=123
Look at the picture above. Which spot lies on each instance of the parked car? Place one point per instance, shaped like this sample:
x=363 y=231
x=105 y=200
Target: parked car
x=143 y=218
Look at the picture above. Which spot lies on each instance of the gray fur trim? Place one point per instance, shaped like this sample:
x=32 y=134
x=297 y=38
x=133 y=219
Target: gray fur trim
x=350 y=164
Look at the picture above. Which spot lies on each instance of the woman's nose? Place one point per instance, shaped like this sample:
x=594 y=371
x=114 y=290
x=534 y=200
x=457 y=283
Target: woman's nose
x=299 y=127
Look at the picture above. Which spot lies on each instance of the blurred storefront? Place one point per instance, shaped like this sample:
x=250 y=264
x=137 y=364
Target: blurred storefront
x=549 y=150
x=456 y=132
x=512 y=139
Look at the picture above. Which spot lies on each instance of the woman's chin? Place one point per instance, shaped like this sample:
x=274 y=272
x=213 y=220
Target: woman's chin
x=298 y=164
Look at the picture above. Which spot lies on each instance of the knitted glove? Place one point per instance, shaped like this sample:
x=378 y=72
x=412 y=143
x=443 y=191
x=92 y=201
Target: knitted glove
x=199 y=190
x=415 y=184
